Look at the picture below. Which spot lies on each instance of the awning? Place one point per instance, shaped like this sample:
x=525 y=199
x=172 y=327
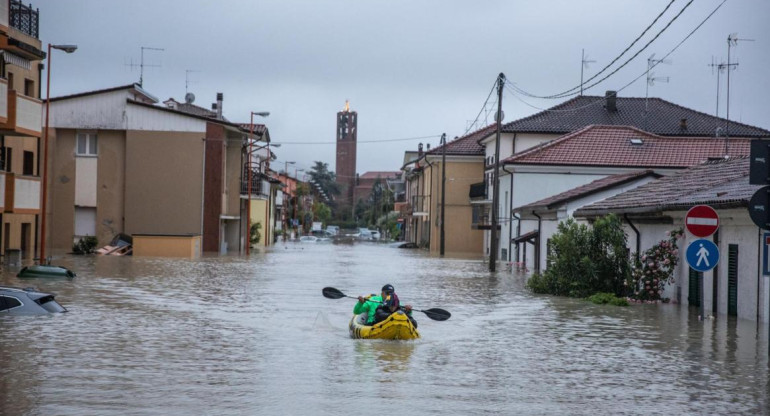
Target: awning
x=17 y=60
x=525 y=238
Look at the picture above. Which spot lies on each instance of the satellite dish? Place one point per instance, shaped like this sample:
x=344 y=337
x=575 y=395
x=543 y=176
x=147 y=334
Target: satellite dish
x=189 y=98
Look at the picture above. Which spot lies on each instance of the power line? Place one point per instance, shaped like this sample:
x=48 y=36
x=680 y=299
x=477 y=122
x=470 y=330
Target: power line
x=366 y=141
x=514 y=90
x=573 y=91
x=483 y=107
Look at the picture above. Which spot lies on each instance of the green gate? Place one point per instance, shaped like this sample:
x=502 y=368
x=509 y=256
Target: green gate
x=693 y=293
x=732 y=280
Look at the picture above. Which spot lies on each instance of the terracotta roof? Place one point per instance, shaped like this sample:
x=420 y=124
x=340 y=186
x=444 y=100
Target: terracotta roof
x=381 y=175
x=612 y=146
x=588 y=189
x=466 y=145
x=662 y=118
x=259 y=129
x=723 y=183
x=190 y=108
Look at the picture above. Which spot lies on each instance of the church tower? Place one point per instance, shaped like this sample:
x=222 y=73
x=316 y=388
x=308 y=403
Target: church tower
x=347 y=132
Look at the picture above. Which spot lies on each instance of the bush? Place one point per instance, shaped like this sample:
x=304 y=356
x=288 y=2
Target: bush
x=655 y=268
x=586 y=260
x=255 y=235
x=607 y=298
x=86 y=245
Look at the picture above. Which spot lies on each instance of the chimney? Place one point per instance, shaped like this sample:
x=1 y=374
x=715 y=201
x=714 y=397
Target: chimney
x=419 y=150
x=683 y=124
x=220 y=97
x=428 y=149
x=610 y=97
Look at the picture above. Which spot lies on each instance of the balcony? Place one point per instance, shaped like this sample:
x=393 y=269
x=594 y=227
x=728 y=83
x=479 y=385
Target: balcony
x=481 y=219
x=24 y=115
x=259 y=184
x=19 y=194
x=24 y=18
x=3 y=100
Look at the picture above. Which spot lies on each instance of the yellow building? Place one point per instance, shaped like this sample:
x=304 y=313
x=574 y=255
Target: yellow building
x=20 y=128
x=427 y=184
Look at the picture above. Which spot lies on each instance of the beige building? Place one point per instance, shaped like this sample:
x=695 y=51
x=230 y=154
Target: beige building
x=464 y=163
x=20 y=128
x=122 y=163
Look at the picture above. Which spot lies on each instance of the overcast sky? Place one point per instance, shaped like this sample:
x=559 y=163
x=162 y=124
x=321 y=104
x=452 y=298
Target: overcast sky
x=410 y=69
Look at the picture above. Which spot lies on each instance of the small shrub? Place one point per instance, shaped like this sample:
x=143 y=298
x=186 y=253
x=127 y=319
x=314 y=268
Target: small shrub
x=255 y=235
x=607 y=298
x=86 y=245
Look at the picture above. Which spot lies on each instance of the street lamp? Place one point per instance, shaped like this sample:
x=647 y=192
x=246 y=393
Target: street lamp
x=443 y=192
x=44 y=185
x=248 y=164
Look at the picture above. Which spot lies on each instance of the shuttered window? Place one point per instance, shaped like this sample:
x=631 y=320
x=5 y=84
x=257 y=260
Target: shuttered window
x=732 y=280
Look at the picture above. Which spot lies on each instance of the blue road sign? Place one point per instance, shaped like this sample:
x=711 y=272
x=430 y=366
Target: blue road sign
x=702 y=255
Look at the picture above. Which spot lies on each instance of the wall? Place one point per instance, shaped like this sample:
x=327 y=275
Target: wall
x=164 y=173
x=167 y=245
x=459 y=237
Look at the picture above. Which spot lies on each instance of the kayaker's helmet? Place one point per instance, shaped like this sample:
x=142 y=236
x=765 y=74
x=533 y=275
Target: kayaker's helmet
x=388 y=289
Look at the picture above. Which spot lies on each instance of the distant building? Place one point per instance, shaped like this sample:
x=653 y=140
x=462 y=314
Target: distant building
x=365 y=183
x=347 y=134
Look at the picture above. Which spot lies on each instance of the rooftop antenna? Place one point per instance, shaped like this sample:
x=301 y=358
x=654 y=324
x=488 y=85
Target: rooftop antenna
x=142 y=65
x=651 y=78
x=584 y=64
x=719 y=68
x=732 y=40
x=187 y=79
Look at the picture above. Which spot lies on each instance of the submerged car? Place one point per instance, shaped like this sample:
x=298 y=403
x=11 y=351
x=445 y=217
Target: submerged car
x=27 y=301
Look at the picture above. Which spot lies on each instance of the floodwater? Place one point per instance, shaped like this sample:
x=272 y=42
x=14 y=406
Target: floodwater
x=237 y=336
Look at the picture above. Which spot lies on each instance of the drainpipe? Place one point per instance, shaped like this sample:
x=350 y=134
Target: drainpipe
x=537 y=246
x=518 y=233
x=510 y=222
x=636 y=231
x=759 y=275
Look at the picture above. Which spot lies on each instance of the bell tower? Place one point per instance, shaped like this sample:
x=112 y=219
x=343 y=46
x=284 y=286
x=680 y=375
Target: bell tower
x=347 y=133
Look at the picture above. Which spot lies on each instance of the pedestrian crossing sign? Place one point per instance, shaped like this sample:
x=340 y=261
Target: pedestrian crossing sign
x=702 y=255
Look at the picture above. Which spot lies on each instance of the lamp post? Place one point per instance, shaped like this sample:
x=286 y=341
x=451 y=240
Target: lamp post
x=443 y=192
x=248 y=174
x=296 y=195
x=44 y=185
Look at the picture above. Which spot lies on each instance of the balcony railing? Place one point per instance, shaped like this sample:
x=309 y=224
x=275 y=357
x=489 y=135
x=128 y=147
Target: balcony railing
x=24 y=116
x=19 y=193
x=4 y=99
x=24 y=18
x=259 y=186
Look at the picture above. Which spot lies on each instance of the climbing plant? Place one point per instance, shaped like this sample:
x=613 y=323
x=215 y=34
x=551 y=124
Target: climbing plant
x=655 y=268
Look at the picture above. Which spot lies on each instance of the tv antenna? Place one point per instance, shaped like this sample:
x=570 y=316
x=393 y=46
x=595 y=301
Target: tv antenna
x=719 y=68
x=584 y=64
x=187 y=78
x=142 y=65
x=732 y=40
x=651 y=78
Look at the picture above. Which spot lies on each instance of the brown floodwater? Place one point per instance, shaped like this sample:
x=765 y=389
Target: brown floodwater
x=237 y=336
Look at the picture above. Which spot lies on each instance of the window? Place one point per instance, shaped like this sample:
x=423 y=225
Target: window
x=7 y=302
x=29 y=88
x=10 y=80
x=8 y=158
x=86 y=144
x=29 y=163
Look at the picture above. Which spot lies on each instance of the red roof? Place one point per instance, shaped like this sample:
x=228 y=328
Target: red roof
x=466 y=145
x=614 y=146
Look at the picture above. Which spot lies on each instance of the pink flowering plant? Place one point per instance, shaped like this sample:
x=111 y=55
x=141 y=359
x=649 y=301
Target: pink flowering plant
x=655 y=268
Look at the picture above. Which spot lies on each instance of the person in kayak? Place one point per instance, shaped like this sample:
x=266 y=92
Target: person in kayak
x=372 y=303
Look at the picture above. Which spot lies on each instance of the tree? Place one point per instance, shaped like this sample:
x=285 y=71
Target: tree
x=322 y=212
x=326 y=180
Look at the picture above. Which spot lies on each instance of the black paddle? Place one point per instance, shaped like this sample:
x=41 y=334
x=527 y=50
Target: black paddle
x=436 y=314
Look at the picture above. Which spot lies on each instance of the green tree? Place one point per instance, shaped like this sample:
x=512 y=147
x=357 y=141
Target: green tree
x=327 y=180
x=322 y=212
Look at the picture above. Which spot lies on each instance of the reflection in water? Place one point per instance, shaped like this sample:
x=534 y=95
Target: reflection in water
x=231 y=336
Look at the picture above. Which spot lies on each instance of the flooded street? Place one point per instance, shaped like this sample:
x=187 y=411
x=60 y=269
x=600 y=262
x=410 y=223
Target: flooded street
x=231 y=336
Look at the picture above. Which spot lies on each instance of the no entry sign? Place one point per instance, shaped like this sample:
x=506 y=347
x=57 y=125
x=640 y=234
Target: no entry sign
x=701 y=221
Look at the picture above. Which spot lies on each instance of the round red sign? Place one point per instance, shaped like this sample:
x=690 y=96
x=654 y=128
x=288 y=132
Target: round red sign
x=701 y=221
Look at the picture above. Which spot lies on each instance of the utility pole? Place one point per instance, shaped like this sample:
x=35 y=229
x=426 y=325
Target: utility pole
x=443 y=192
x=496 y=176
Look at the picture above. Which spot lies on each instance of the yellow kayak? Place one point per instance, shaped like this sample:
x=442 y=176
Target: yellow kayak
x=396 y=326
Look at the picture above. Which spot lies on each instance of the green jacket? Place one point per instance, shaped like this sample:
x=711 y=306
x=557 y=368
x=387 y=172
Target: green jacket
x=370 y=306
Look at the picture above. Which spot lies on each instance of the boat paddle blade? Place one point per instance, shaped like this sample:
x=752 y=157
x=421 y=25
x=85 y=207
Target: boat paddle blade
x=332 y=293
x=437 y=314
